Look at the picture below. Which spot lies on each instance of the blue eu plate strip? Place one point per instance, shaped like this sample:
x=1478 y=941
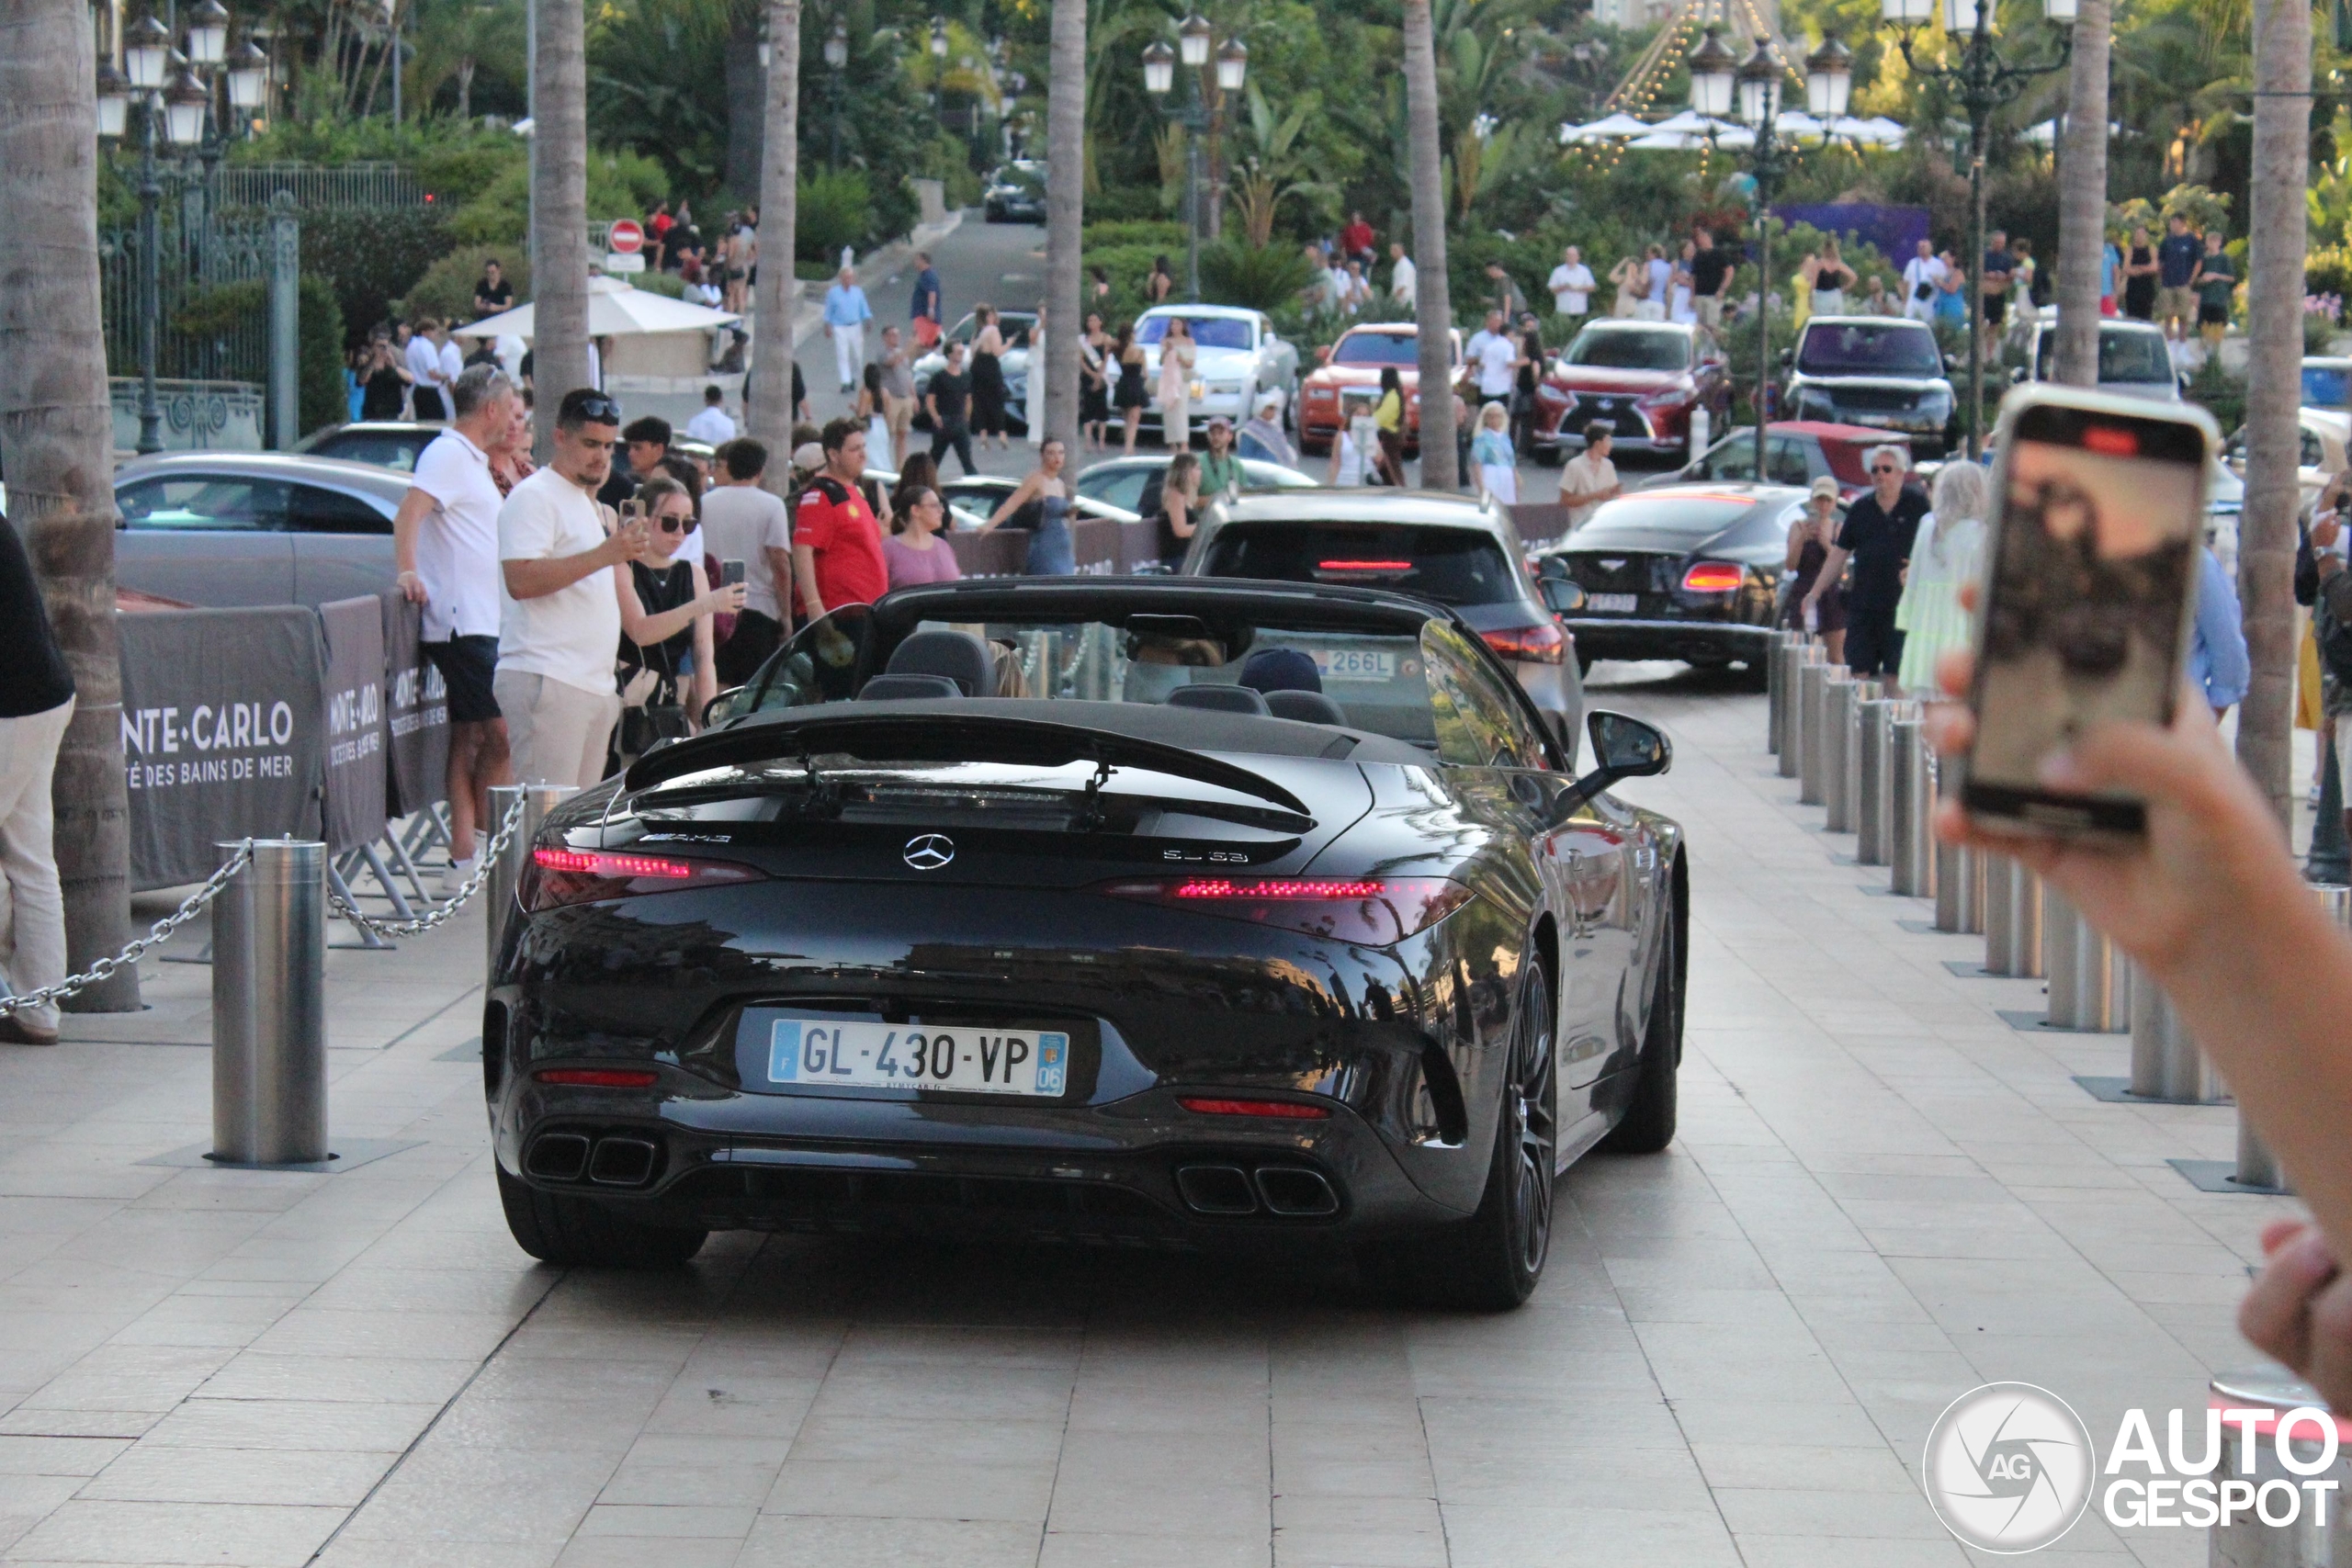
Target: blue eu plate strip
x=783 y=1050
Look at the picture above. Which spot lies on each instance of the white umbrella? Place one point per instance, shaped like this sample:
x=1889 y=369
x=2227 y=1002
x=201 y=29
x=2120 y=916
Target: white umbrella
x=1796 y=122
x=615 y=309
x=1608 y=129
x=1667 y=142
x=1883 y=131
x=1689 y=122
x=1735 y=139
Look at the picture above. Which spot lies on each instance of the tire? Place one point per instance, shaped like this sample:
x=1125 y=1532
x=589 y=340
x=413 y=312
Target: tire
x=1648 y=1124
x=1492 y=1261
x=581 y=1233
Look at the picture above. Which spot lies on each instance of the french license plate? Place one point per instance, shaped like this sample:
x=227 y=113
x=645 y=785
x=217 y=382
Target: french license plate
x=1611 y=603
x=1355 y=664
x=884 y=1055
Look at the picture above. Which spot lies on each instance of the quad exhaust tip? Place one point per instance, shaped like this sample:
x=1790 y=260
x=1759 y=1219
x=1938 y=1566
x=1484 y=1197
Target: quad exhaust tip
x=613 y=1160
x=1286 y=1191
x=559 y=1157
x=622 y=1162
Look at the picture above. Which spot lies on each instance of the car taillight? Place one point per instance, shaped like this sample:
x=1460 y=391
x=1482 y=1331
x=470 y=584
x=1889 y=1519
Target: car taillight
x=582 y=877
x=1372 y=911
x=1545 y=644
x=1713 y=577
x=1280 y=1110
x=598 y=1078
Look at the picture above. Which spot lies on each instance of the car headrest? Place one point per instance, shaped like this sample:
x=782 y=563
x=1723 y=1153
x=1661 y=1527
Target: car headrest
x=1224 y=699
x=958 y=656
x=887 y=688
x=1307 y=707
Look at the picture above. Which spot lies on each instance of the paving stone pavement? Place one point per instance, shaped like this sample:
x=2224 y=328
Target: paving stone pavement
x=1882 y=1196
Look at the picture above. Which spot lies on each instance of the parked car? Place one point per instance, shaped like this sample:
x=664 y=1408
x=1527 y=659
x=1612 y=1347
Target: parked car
x=979 y=495
x=2327 y=382
x=1796 y=452
x=1015 y=327
x=2324 y=440
x=1644 y=377
x=1016 y=193
x=1354 y=364
x=386 y=442
x=1134 y=482
x=1457 y=552
x=230 y=529
x=2134 y=358
x=1874 y=371
x=1689 y=571
x=1237 y=355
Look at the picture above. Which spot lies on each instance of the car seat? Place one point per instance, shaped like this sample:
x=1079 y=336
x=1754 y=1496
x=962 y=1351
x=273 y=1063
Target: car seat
x=1222 y=699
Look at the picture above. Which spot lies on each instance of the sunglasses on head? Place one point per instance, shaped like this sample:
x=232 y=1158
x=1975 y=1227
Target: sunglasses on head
x=600 y=410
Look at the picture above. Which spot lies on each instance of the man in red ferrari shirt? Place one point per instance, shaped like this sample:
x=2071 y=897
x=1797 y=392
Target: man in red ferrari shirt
x=836 y=546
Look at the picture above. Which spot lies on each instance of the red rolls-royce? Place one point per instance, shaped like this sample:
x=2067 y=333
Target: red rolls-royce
x=1354 y=366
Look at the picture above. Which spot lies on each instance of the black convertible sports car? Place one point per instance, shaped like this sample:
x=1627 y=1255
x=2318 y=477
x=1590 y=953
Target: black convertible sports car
x=1067 y=906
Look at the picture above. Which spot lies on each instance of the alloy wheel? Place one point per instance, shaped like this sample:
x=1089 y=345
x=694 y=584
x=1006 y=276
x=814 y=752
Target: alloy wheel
x=1534 y=1126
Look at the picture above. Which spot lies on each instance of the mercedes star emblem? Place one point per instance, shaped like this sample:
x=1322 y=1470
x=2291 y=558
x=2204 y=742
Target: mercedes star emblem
x=929 y=852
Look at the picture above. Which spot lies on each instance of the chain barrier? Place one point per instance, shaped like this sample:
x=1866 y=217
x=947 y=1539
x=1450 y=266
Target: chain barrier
x=104 y=968
x=466 y=890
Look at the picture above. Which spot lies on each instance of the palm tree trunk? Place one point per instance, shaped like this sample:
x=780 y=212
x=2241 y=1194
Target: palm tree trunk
x=1433 y=300
x=57 y=446
x=1065 y=216
x=559 y=214
x=2082 y=197
x=2282 y=168
x=770 y=414
x=746 y=102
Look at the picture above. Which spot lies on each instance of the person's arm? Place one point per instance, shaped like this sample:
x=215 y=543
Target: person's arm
x=931 y=405
x=778 y=561
x=645 y=628
x=2228 y=671
x=536 y=579
x=415 y=507
x=804 y=568
x=1332 y=475
x=705 y=677
x=1797 y=532
x=1021 y=496
x=1832 y=567
x=1180 y=515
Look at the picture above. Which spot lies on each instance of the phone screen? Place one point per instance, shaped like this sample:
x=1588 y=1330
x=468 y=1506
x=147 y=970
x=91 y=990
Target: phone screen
x=731 y=573
x=2087 y=602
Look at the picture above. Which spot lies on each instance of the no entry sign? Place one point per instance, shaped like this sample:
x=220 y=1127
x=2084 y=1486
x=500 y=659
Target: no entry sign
x=626 y=238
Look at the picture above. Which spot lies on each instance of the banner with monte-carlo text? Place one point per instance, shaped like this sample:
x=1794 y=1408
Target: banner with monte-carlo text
x=357 y=770
x=224 y=733
x=417 y=708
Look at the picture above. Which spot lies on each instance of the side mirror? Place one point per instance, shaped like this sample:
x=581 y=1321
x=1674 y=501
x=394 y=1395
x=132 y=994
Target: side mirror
x=1788 y=357
x=2016 y=376
x=1622 y=748
x=1560 y=597
x=724 y=706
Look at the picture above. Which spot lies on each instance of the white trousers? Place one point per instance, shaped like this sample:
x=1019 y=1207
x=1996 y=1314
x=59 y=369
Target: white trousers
x=32 y=911
x=849 y=354
x=556 y=732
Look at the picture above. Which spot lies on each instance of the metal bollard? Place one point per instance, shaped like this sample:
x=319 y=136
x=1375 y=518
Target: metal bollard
x=2012 y=919
x=2166 y=1063
x=2252 y=1455
x=2256 y=1167
x=1841 y=746
x=1874 y=783
x=498 y=884
x=1801 y=654
x=1910 y=847
x=2090 y=980
x=1776 y=685
x=1813 y=762
x=269 y=1007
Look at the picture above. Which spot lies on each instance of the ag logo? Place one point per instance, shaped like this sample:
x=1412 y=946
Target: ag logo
x=930 y=851
x=2008 y=1467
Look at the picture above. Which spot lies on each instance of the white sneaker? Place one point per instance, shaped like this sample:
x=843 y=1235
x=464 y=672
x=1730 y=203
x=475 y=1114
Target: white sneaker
x=455 y=877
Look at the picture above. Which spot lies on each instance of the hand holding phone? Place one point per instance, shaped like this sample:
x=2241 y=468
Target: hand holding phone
x=731 y=573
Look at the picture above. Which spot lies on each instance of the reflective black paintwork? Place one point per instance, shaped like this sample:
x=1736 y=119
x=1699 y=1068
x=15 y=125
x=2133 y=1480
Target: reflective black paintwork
x=1641 y=550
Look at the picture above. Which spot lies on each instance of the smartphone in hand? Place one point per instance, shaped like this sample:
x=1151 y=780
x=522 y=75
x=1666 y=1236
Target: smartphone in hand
x=731 y=573
x=2098 y=511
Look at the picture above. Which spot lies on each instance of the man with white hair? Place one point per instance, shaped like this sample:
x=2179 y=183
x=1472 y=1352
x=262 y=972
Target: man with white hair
x=1878 y=536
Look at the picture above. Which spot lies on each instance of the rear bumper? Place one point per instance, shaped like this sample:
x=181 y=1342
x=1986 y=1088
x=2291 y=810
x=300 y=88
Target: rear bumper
x=1624 y=636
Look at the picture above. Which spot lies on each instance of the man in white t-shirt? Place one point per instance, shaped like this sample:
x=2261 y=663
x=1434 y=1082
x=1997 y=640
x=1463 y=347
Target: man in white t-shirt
x=445 y=547
x=1404 y=278
x=1495 y=357
x=453 y=365
x=1661 y=276
x=1921 y=274
x=743 y=520
x=1572 y=286
x=1589 y=477
x=424 y=355
x=713 y=426
x=560 y=621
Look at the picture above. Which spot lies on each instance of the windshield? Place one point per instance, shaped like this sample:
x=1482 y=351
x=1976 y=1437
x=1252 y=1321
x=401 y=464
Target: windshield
x=1452 y=566
x=1866 y=348
x=1401 y=349
x=1693 y=517
x=2324 y=386
x=1208 y=332
x=2127 y=358
x=1629 y=348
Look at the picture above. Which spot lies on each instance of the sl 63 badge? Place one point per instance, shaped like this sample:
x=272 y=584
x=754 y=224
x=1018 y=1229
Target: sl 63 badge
x=1213 y=857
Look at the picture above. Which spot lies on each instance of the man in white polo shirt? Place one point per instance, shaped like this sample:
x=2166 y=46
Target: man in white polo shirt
x=1571 y=283
x=445 y=546
x=560 y=621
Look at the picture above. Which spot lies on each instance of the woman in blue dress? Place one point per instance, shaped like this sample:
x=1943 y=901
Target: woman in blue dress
x=1040 y=507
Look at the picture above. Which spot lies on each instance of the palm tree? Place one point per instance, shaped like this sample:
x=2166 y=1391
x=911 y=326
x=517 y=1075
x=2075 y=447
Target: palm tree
x=1433 y=304
x=1065 y=216
x=770 y=393
x=57 y=446
x=1272 y=168
x=2082 y=198
x=2282 y=71
x=559 y=212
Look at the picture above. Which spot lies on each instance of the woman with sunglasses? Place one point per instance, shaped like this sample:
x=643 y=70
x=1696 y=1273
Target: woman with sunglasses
x=666 y=610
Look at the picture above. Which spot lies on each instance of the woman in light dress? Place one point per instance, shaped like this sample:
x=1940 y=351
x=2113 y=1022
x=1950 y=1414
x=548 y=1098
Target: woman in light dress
x=870 y=408
x=1629 y=280
x=1677 y=306
x=1177 y=357
x=1490 y=450
x=1946 y=553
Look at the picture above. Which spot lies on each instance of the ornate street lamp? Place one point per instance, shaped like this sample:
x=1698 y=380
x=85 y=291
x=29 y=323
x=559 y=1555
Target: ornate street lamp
x=1828 y=79
x=147 y=54
x=1159 y=68
x=1194 y=38
x=208 y=35
x=836 y=61
x=248 y=78
x=1232 y=65
x=1713 y=71
x=114 y=99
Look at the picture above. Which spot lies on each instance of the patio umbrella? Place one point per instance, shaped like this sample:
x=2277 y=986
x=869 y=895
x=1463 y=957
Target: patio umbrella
x=1610 y=129
x=615 y=309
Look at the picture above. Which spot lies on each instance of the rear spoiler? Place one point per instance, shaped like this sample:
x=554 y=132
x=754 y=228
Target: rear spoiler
x=934 y=736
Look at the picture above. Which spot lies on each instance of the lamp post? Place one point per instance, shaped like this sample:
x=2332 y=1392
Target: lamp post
x=175 y=107
x=1194 y=36
x=1983 y=82
x=836 y=60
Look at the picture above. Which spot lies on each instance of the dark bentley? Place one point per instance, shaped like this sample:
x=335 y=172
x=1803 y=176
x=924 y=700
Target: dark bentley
x=1686 y=572
x=1114 y=911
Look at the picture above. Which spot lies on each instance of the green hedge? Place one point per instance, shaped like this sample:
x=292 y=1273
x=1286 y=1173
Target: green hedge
x=322 y=399
x=1263 y=277
x=373 y=256
x=446 y=289
x=836 y=209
